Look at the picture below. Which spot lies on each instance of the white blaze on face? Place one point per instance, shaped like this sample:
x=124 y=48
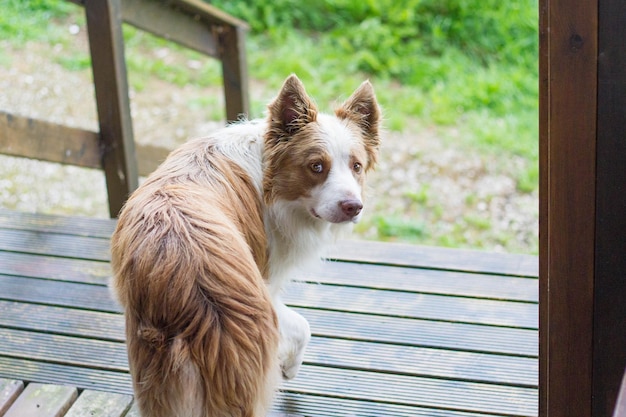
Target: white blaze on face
x=338 y=199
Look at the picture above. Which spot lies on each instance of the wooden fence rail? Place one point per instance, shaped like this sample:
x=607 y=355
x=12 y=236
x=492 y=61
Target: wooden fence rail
x=190 y=23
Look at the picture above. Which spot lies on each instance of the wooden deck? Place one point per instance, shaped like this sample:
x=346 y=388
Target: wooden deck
x=398 y=330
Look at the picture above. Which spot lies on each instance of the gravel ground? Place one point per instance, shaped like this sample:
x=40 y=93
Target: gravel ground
x=423 y=191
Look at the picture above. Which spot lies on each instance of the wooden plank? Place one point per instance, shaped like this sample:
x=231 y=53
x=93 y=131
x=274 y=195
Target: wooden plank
x=568 y=64
x=196 y=8
x=111 y=85
x=70 y=225
x=296 y=404
x=400 y=254
x=10 y=389
x=415 y=391
x=325 y=351
x=76 y=376
x=458 y=336
x=50 y=267
x=609 y=315
x=424 y=333
x=408 y=304
x=64 y=350
x=209 y=13
x=100 y=404
x=427 y=362
x=354 y=385
x=234 y=72
x=313 y=406
x=39 y=400
x=355 y=300
x=70 y=294
x=165 y=20
x=62 y=320
x=425 y=281
x=381 y=357
x=54 y=244
x=38 y=139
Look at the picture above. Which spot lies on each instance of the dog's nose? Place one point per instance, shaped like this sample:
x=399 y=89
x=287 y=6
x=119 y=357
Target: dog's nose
x=351 y=208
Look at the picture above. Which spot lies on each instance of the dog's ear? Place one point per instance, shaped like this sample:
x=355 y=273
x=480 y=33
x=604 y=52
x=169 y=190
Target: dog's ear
x=292 y=109
x=362 y=109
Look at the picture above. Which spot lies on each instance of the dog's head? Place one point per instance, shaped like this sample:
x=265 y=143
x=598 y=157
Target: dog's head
x=318 y=161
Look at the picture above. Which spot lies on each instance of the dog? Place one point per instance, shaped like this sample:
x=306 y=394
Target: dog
x=204 y=246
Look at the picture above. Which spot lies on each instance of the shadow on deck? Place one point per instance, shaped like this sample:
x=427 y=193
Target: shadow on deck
x=399 y=330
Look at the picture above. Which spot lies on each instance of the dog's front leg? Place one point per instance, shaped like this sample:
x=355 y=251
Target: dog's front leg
x=295 y=334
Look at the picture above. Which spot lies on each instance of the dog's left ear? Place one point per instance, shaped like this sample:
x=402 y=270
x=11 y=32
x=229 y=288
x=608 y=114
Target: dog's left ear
x=362 y=109
x=291 y=110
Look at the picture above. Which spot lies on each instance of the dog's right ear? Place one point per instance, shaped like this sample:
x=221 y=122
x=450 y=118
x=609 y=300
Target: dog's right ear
x=291 y=110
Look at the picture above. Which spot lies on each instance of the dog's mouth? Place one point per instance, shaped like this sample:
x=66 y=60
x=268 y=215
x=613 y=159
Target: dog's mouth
x=314 y=214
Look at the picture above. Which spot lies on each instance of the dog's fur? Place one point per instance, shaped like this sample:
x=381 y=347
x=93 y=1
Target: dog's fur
x=204 y=246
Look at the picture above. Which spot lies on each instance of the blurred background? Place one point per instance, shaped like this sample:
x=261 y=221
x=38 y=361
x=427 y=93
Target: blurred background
x=457 y=80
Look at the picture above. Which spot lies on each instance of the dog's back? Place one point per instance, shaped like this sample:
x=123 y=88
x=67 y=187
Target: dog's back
x=202 y=334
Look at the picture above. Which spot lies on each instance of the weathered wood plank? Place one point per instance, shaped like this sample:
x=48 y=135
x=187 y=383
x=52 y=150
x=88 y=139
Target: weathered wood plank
x=416 y=391
x=436 y=258
x=355 y=300
x=74 y=225
x=328 y=382
x=100 y=404
x=408 y=304
x=410 y=360
x=424 y=333
x=346 y=274
x=377 y=328
x=50 y=267
x=10 y=389
x=382 y=253
x=61 y=320
x=106 y=45
x=295 y=404
x=165 y=20
x=54 y=244
x=325 y=351
x=38 y=139
x=234 y=72
x=69 y=294
x=426 y=281
x=64 y=350
x=76 y=376
x=39 y=400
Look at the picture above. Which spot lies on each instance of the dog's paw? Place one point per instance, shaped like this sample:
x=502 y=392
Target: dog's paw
x=295 y=334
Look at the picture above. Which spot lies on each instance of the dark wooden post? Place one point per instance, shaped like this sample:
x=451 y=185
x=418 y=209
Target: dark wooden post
x=235 y=72
x=104 y=24
x=582 y=206
x=568 y=77
x=609 y=329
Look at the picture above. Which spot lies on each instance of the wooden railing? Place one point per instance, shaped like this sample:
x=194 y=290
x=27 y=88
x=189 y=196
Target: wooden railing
x=190 y=23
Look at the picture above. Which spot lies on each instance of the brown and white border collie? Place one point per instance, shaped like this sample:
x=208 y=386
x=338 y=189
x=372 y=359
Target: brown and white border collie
x=204 y=246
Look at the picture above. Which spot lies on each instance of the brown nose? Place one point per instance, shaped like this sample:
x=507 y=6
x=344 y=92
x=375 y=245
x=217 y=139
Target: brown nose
x=351 y=207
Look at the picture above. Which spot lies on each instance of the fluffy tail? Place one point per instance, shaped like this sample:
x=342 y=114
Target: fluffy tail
x=201 y=332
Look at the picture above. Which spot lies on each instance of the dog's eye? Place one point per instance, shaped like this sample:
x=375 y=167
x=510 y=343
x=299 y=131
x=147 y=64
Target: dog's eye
x=357 y=167
x=317 y=167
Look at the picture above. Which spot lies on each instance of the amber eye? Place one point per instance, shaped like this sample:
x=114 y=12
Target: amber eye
x=317 y=167
x=357 y=167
